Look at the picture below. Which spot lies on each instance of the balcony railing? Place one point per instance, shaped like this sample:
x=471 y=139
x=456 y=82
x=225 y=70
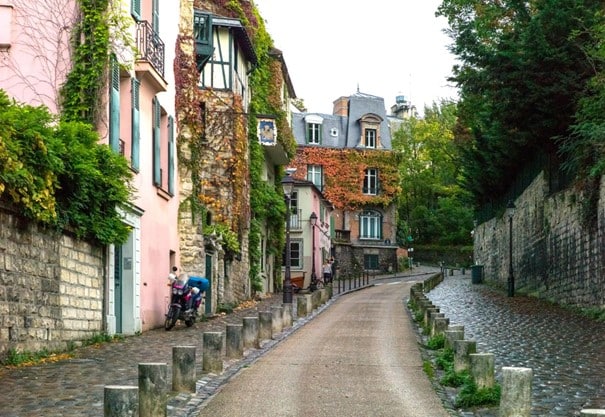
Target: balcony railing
x=150 y=46
x=295 y=222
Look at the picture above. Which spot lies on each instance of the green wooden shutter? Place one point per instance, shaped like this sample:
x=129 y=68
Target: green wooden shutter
x=114 y=107
x=135 y=127
x=171 y=155
x=135 y=9
x=155 y=16
x=157 y=167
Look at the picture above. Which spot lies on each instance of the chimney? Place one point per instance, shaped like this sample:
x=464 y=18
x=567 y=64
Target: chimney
x=341 y=106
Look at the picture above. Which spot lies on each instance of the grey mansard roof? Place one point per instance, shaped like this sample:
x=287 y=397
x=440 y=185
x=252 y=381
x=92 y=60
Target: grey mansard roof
x=345 y=131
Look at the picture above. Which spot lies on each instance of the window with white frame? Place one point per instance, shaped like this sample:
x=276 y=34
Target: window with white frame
x=313 y=133
x=315 y=175
x=370 y=225
x=370 y=138
x=370 y=181
x=296 y=254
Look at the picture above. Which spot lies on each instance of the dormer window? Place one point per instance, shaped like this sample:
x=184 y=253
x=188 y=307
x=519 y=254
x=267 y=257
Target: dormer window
x=313 y=129
x=370 y=131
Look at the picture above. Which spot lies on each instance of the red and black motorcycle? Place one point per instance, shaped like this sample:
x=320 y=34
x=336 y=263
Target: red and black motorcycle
x=185 y=299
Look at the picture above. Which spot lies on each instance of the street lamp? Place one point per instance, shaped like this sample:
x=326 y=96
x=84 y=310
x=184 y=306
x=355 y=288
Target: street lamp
x=288 y=186
x=313 y=221
x=510 y=211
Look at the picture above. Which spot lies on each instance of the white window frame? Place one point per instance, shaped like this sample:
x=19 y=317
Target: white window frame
x=370 y=182
x=315 y=175
x=370 y=138
x=370 y=225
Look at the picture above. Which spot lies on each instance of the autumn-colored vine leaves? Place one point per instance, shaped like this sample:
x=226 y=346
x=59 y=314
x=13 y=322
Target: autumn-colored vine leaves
x=344 y=172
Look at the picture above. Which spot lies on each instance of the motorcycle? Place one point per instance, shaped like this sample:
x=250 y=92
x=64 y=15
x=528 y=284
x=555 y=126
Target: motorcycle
x=184 y=301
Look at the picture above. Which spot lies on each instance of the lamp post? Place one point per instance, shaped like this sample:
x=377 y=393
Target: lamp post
x=288 y=185
x=510 y=211
x=313 y=221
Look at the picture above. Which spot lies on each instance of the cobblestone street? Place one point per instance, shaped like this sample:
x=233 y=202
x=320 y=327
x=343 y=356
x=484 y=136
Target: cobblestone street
x=565 y=350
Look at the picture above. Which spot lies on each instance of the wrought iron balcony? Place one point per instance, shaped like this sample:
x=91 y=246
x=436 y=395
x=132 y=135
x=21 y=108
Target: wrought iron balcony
x=150 y=46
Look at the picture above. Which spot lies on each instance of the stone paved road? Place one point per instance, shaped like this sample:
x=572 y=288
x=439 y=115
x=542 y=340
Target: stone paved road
x=565 y=350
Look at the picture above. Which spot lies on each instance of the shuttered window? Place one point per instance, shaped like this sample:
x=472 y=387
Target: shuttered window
x=171 y=155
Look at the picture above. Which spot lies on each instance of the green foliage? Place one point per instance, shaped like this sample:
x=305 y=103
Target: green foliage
x=16 y=358
x=428 y=369
x=471 y=396
x=226 y=308
x=227 y=237
x=59 y=174
x=433 y=207
x=81 y=93
x=445 y=359
x=522 y=70
x=436 y=342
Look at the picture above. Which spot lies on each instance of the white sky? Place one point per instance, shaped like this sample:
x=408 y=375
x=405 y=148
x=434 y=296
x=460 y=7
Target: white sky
x=386 y=47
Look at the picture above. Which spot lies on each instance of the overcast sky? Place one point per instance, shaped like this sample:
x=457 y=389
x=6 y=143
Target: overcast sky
x=385 y=47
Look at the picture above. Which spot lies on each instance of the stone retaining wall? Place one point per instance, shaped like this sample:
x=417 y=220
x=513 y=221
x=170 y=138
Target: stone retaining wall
x=554 y=256
x=51 y=287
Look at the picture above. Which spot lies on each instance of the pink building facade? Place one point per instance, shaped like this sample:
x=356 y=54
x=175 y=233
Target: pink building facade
x=136 y=119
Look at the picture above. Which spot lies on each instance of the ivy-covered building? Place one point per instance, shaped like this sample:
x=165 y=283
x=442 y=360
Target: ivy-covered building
x=348 y=156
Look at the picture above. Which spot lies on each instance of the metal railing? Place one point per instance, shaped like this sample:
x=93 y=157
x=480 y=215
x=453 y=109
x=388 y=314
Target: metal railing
x=150 y=46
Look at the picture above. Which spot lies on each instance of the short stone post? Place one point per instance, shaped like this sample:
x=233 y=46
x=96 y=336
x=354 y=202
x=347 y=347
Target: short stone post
x=323 y=295
x=235 y=343
x=153 y=389
x=439 y=326
x=287 y=317
x=265 y=329
x=592 y=412
x=451 y=336
x=427 y=314
x=315 y=299
x=251 y=332
x=482 y=369
x=432 y=317
x=304 y=305
x=120 y=401
x=212 y=358
x=277 y=313
x=462 y=350
x=183 y=369
x=515 y=400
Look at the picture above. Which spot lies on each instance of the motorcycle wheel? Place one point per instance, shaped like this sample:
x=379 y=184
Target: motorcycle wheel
x=189 y=322
x=171 y=318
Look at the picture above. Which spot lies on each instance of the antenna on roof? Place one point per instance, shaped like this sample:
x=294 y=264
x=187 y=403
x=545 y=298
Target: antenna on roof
x=358 y=87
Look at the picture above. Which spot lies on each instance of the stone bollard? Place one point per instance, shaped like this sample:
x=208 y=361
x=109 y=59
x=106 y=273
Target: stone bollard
x=323 y=295
x=439 y=326
x=212 y=358
x=482 y=369
x=250 y=332
x=451 y=336
x=462 y=350
x=265 y=325
x=304 y=306
x=287 y=317
x=592 y=412
x=432 y=317
x=120 y=401
x=183 y=368
x=153 y=389
x=277 y=313
x=235 y=343
x=515 y=400
x=427 y=314
x=315 y=299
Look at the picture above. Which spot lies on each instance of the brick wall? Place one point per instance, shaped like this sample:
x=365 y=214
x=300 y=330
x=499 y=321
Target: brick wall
x=51 y=287
x=554 y=256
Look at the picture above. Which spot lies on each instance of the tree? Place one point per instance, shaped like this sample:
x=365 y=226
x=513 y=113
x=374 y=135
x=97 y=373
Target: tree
x=433 y=208
x=522 y=72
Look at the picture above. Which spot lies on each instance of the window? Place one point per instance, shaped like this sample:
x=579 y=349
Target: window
x=315 y=175
x=135 y=9
x=370 y=225
x=370 y=261
x=171 y=151
x=370 y=182
x=155 y=16
x=370 y=138
x=294 y=214
x=296 y=254
x=313 y=133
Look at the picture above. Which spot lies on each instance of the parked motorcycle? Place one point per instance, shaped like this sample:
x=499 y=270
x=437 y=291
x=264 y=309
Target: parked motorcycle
x=185 y=299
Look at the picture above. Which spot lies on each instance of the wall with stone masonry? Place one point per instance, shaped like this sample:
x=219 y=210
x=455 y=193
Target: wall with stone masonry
x=51 y=287
x=554 y=256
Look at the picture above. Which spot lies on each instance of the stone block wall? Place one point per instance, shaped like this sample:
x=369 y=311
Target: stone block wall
x=554 y=256
x=51 y=287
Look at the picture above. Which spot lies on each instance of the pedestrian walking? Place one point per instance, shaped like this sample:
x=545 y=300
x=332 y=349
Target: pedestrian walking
x=327 y=272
